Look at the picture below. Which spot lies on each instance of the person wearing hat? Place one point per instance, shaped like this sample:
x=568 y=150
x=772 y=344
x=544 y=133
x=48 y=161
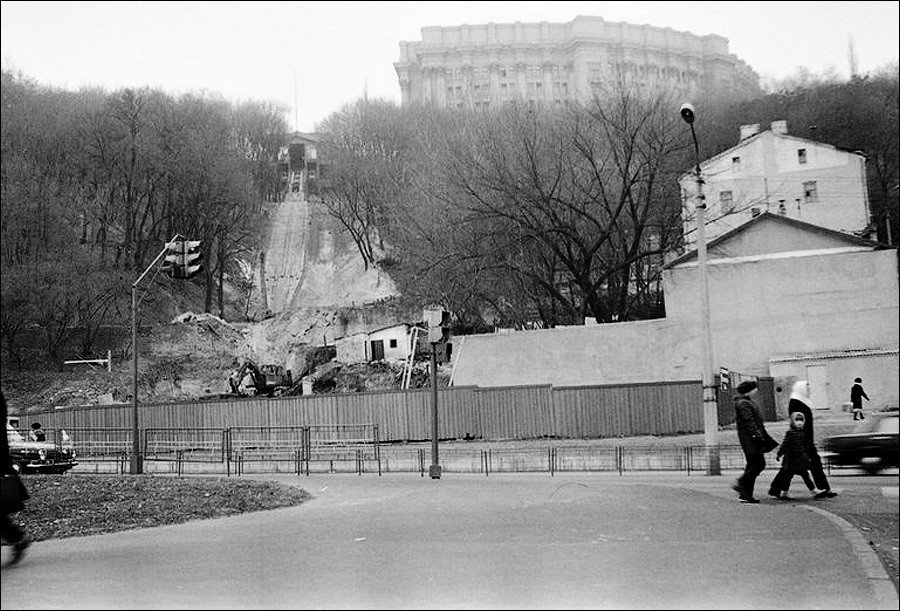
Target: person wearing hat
x=755 y=441
x=856 y=396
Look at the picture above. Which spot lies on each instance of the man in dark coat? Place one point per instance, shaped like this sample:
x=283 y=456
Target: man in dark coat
x=856 y=396
x=755 y=441
x=12 y=533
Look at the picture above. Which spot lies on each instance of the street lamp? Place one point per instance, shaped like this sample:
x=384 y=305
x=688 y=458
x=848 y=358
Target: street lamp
x=710 y=408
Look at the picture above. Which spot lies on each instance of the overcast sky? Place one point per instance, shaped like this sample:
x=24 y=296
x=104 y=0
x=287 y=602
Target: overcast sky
x=313 y=57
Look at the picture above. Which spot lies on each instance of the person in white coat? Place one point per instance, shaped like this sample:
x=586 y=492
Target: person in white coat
x=800 y=402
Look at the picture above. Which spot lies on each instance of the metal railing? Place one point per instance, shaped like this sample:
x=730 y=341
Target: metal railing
x=357 y=449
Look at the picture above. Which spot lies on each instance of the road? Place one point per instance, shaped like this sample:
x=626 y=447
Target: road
x=469 y=541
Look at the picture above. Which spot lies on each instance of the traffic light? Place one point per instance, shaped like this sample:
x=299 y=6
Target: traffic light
x=193 y=256
x=438 y=321
x=183 y=258
x=172 y=264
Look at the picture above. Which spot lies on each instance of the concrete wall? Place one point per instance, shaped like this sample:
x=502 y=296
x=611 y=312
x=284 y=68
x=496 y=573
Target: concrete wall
x=351 y=349
x=618 y=353
x=760 y=310
x=770 y=308
x=877 y=370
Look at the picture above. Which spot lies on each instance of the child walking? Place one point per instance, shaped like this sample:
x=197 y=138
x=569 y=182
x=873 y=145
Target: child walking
x=795 y=451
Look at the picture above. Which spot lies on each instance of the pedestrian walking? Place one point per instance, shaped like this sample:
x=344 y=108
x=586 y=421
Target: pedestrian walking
x=800 y=403
x=857 y=394
x=13 y=494
x=794 y=451
x=755 y=441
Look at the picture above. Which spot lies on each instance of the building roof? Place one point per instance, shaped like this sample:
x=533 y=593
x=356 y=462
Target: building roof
x=833 y=354
x=743 y=143
x=308 y=136
x=368 y=333
x=768 y=216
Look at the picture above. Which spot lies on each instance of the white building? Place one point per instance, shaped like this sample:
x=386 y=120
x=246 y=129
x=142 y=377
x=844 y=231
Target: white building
x=389 y=343
x=792 y=300
x=788 y=300
x=772 y=171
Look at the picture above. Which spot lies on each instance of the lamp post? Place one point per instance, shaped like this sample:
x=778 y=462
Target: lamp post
x=710 y=407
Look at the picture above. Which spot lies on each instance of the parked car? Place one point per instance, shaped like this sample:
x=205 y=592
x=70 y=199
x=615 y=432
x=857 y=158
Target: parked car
x=39 y=456
x=873 y=446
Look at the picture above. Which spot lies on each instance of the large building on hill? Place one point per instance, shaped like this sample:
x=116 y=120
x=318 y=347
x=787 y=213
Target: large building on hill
x=481 y=66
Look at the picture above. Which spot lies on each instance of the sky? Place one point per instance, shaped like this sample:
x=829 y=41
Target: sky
x=314 y=57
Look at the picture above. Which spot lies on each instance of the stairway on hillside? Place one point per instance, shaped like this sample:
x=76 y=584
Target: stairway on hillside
x=286 y=252
x=310 y=262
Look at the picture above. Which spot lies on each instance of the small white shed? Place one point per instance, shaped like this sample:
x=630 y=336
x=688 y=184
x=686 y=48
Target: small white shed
x=388 y=343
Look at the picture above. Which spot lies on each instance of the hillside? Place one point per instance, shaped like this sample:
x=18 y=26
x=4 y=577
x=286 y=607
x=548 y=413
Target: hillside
x=317 y=281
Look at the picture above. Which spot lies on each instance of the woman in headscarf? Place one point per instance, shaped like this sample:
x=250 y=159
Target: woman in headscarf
x=800 y=402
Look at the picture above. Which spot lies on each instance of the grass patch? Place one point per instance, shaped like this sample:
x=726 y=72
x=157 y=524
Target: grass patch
x=74 y=505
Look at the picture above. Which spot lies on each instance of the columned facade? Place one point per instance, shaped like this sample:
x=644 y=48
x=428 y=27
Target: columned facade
x=479 y=66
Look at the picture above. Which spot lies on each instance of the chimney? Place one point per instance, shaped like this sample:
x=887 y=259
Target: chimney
x=749 y=130
x=779 y=127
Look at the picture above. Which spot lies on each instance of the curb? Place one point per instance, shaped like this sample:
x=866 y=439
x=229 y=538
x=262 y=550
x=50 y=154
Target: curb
x=886 y=596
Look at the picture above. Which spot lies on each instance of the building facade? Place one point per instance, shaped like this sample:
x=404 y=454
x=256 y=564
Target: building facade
x=298 y=161
x=481 y=66
x=390 y=343
x=788 y=300
x=772 y=171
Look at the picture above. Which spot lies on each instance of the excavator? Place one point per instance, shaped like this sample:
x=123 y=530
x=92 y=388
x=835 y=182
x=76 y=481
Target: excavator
x=268 y=380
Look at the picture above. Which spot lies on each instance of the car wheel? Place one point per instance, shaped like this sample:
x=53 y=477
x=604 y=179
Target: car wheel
x=871 y=464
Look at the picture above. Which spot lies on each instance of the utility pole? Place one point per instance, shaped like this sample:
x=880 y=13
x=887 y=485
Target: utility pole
x=438 y=321
x=710 y=406
x=434 y=471
x=179 y=263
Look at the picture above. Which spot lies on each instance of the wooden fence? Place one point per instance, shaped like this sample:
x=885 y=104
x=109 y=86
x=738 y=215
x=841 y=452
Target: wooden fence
x=527 y=412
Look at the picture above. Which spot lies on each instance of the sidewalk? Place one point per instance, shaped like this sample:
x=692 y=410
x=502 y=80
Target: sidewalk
x=465 y=541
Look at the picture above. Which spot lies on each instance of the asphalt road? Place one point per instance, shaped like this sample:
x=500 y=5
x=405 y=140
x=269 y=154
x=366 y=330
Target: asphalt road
x=473 y=542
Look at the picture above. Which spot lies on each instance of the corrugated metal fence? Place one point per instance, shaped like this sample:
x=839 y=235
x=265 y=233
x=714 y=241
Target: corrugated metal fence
x=528 y=412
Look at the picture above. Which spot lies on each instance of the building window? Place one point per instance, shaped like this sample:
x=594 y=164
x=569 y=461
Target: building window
x=393 y=343
x=735 y=163
x=801 y=156
x=810 y=193
x=726 y=201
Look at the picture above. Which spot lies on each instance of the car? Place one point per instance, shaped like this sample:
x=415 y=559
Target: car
x=39 y=456
x=873 y=446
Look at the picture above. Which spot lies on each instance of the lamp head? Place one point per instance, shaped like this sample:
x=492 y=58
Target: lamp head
x=687 y=113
